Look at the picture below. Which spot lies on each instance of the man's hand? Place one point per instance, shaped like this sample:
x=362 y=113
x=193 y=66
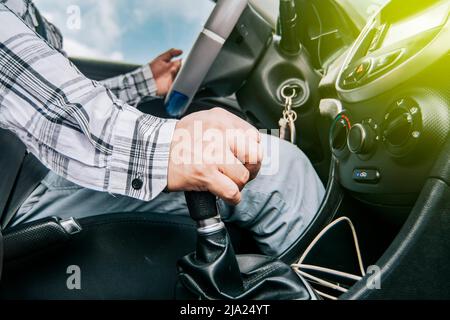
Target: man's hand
x=165 y=70
x=214 y=151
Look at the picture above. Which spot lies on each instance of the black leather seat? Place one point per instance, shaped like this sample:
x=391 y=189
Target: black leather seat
x=120 y=256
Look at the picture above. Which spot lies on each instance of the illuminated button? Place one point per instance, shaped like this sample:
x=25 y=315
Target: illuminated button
x=356 y=74
x=366 y=175
x=361 y=70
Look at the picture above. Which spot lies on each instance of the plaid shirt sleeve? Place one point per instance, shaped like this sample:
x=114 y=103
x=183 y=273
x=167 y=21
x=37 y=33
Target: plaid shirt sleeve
x=132 y=87
x=74 y=125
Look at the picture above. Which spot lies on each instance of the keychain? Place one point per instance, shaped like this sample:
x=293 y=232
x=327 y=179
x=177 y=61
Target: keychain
x=287 y=122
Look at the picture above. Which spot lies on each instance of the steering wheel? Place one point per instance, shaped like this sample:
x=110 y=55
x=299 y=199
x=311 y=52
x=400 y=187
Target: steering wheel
x=209 y=43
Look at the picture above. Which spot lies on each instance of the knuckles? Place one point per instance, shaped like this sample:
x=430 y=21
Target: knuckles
x=243 y=179
x=232 y=196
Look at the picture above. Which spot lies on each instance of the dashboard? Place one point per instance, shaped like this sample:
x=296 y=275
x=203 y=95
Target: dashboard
x=393 y=46
x=394 y=90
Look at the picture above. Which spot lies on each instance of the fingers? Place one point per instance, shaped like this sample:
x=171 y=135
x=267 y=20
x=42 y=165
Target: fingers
x=244 y=141
x=235 y=170
x=224 y=188
x=254 y=166
x=172 y=53
x=245 y=146
x=176 y=52
x=176 y=66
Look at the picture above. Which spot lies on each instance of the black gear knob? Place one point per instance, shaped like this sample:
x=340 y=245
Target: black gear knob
x=201 y=205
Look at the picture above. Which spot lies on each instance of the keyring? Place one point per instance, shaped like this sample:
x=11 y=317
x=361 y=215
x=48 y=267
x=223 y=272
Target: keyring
x=286 y=97
x=290 y=115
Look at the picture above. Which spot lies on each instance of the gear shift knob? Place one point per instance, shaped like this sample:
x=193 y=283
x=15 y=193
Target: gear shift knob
x=203 y=210
x=201 y=205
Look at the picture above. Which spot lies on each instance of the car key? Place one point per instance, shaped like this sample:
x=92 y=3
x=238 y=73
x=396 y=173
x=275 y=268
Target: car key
x=287 y=122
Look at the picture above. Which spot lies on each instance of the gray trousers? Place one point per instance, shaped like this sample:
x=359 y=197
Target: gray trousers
x=276 y=207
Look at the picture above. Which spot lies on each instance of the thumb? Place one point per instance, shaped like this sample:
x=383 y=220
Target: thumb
x=225 y=188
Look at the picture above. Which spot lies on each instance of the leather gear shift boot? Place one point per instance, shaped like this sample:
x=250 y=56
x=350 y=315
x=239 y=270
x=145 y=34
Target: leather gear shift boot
x=215 y=272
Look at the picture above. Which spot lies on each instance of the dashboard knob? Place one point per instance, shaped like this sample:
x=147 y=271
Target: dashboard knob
x=397 y=129
x=402 y=127
x=361 y=139
x=338 y=136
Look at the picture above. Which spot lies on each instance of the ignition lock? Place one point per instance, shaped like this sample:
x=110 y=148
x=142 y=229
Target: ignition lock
x=301 y=92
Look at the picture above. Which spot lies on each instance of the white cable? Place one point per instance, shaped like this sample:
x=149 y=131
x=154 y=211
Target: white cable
x=328 y=227
x=329 y=271
x=325 y=295
x=322 y=282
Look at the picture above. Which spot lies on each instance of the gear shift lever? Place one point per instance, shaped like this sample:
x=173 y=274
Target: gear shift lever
x=213 y=271
x=213 y=241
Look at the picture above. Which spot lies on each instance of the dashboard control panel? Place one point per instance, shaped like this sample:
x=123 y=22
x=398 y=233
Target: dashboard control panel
x=388 y=148
x=395 y=45
x=395 y=115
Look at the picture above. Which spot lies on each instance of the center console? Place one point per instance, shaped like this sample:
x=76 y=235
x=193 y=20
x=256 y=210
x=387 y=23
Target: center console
x=395 y=116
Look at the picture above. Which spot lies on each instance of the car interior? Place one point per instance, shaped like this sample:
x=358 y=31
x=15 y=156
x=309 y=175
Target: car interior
x=372 y=99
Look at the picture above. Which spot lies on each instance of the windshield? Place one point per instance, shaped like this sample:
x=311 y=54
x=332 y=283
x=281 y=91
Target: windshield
x=126 y=30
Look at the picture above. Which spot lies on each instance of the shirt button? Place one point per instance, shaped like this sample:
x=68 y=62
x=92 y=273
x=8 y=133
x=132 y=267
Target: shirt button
x=137 y=184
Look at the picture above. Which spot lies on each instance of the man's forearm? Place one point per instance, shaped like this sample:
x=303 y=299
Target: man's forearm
x=75 y=126
x=133 y=86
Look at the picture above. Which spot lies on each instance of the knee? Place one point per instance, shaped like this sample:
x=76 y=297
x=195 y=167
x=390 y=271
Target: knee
x=283 y=158
x=290 y=153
